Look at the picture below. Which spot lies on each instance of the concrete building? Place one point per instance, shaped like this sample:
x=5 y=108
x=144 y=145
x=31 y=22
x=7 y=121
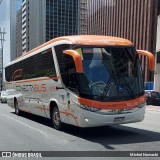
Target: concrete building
x=157 y=70
x=8 y=11
x=19 y=34
x=135 y=20
x=83 y=17
x=43 y=20
x=25 y=28
x=15 y=6
x=8 y=21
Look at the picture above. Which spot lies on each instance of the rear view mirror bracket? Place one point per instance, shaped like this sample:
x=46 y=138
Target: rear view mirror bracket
x=150 y=58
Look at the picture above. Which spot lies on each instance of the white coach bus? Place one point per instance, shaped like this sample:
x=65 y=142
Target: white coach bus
x=84 y=81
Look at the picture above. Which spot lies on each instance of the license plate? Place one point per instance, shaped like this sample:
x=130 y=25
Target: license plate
x=119 y=119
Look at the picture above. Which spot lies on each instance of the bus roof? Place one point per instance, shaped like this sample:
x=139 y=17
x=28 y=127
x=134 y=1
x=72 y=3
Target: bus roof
x=87 y=40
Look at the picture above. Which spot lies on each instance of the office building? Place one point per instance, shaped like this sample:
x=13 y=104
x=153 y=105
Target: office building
x=19 y=33
x=157 y=69
x=43 y=20
x=135 y=20
x=24 y=28
x=15 y=6
x=61 y=18
x=83 y=17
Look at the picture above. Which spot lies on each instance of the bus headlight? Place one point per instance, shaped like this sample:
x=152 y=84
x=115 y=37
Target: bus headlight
x=88 y=108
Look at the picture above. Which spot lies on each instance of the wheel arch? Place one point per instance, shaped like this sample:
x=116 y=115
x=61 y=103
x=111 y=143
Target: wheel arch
x=53 y=103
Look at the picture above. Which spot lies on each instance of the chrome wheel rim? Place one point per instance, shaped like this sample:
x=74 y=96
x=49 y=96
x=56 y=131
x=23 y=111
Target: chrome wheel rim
x=56 y=118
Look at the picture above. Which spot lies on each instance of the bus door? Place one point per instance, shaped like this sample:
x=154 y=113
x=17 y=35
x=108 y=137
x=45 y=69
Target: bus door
x=72 y=91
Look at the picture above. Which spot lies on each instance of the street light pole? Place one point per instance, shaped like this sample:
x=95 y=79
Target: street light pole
x=2 y=33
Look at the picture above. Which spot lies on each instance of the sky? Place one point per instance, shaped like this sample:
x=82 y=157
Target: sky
x=10 y=26
x=4 y=13
x=5 y=23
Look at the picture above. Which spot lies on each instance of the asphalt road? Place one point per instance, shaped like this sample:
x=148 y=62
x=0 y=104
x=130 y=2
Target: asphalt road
x=29 y=132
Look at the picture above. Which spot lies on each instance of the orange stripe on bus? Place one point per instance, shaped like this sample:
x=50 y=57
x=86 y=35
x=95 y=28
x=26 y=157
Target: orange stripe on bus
x=43 y=45
x=87 y=40
x=8 y=83
x=36 y=80
x=69 y=114
x=41 y=108
x=112 y=105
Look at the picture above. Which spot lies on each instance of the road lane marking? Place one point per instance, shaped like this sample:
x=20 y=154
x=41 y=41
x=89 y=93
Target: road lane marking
x=25 y=125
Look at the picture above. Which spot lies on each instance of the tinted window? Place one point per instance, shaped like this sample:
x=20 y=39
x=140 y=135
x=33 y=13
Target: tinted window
x=67 y=68
x=40 y=65
x=155 y=94
x=61 y=59
x=158 y=57
x=71 y=75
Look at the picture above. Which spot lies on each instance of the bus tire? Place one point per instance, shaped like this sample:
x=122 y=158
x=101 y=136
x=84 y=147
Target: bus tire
x=17 y=111
x=55 y=117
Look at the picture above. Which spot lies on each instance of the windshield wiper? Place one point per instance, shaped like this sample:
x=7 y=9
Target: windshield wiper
x=113 y=77
x=128 y=88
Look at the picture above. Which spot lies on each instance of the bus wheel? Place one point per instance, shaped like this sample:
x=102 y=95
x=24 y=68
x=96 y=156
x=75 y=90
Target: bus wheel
x=17 y=111
x=56 y=121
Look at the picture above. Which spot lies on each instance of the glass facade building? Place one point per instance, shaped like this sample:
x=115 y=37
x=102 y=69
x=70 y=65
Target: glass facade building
x=43 y=20
x=83 y=17
x=130 y=19
x=15 y=6
x=62 y=18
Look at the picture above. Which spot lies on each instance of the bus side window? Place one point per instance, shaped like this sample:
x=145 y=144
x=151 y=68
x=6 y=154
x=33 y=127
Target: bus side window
x=71 y=75
x=62 y=60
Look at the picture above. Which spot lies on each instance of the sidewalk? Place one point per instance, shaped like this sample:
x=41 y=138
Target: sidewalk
x=153 y=108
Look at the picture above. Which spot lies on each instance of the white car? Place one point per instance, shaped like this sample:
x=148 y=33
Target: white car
x=9 y=94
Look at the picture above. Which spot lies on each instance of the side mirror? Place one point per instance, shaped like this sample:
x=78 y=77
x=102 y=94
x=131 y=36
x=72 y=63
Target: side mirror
x=77 y=59
x=150 y=58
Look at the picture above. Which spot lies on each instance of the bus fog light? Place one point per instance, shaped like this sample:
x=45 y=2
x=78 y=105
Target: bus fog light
x=86 y=120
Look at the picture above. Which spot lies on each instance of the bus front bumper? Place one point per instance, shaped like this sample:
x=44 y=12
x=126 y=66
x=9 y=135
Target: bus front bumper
x=93 y=119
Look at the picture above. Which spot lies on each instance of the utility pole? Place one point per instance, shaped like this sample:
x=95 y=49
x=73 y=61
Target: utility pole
x=2 y=33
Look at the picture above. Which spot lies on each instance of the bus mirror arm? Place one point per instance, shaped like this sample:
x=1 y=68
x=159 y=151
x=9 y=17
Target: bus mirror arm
x=57 y=88
x=77 y=59
x=55 y=79
x=150 y=58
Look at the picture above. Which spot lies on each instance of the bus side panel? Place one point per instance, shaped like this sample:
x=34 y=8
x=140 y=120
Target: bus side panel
x=26 y=88
x=9 y=85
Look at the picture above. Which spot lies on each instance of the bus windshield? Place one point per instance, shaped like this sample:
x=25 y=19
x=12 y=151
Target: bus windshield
x=110 y=73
